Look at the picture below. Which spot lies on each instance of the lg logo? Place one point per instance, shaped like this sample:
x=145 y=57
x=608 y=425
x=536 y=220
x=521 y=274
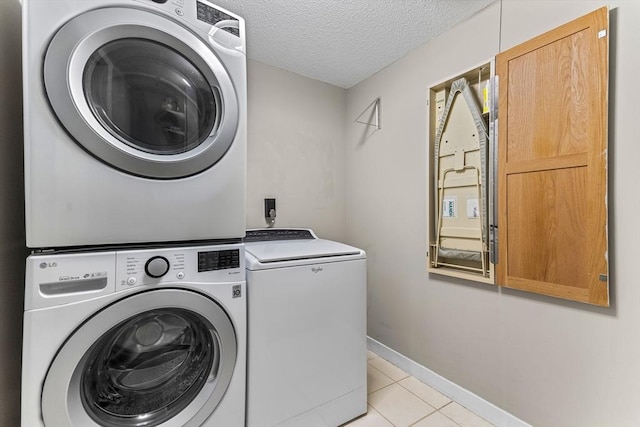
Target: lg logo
x=316 y=269
x=48 y=264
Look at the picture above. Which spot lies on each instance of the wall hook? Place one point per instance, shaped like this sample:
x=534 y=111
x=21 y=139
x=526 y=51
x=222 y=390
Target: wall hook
x=374 y=117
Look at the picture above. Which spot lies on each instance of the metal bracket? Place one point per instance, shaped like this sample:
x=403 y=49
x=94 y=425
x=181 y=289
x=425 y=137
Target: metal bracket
x=493 y=170
x=375 y=114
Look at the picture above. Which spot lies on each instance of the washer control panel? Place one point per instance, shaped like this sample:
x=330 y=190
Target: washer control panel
x=215 y=263
x=64 y=278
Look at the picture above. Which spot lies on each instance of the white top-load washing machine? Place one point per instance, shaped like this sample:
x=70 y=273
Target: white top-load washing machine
x=153 y=337
x=134 y=122
x=307 y=362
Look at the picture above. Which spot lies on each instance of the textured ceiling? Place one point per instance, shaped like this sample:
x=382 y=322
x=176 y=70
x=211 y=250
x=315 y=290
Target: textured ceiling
x=343 y=42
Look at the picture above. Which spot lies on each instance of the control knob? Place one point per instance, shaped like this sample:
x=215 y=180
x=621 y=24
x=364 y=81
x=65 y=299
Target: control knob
x=156 y=266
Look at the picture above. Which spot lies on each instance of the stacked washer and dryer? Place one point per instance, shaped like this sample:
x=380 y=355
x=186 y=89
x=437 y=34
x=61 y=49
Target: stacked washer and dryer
x=135 y=164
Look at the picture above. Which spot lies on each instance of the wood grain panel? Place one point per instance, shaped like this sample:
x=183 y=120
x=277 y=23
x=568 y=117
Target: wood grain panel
x=550 y=289
x=548 y=221
x=552 y=162
x=549 y=92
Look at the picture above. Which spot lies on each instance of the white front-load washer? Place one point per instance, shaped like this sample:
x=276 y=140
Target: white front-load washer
x=134 y=122
x=307 y=361
x=151 y=337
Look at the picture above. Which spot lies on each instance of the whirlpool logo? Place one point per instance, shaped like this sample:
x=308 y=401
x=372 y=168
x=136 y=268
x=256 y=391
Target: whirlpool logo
x=316 y=269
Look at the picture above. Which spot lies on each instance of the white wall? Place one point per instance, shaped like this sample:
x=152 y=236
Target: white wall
x=295 y=150
x=12 y=252
x=547 y=361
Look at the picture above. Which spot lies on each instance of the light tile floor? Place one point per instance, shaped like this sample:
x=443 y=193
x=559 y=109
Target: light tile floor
x=397 y=399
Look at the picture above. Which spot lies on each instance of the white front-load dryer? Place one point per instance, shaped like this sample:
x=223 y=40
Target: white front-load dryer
x=134 y=122
x=153 y=337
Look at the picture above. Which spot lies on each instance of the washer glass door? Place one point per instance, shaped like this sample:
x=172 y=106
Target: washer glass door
x=157 y=358
x=149 y=368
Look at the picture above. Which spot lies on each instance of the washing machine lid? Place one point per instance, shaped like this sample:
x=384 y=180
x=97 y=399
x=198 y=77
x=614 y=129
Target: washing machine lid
x=268 y=253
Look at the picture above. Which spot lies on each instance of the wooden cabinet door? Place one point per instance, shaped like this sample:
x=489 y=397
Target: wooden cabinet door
x=552 y=161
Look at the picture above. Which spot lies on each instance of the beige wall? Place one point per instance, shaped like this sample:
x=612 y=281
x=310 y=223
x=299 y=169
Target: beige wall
x=548 y=362
x=295 y=150
x=12 y=252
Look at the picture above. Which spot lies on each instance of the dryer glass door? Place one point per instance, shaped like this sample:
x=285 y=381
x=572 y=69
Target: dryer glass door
x=150 y=97
x=142 y=92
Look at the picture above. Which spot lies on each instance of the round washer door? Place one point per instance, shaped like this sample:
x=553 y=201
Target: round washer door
x=158 y=358
x=141 y=92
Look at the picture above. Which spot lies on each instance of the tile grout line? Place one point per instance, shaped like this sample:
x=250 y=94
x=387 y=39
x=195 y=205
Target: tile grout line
x=411 y=376
x=382 y=388
x=438 y=411
x=430 y=413
x=375 y=391
x=423 y=418
x=447 y=417
x=451 y=401
x=455 y=393
x=371 y=366
x=435 y=409
x=393 y=365
x=403 y=387
x=388 y=385
x=380 y=413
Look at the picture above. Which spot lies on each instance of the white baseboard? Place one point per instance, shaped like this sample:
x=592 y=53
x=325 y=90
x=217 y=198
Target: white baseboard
x=464 y=397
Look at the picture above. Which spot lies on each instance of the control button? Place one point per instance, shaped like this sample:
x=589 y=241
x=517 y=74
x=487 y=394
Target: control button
x=159 y=1
x=132 y=281
x=179 y=11
x=180 y=275
x=156 y=267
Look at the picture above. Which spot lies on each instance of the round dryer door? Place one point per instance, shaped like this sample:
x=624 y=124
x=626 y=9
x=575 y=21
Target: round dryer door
x=157 y=358
x=141 y=92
